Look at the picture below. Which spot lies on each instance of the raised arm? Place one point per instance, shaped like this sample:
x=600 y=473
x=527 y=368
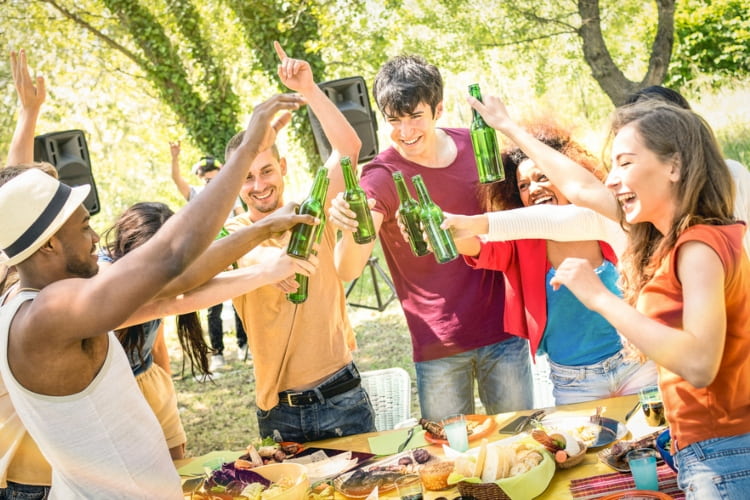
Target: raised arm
x=182 y=186
x=226 y=286
x=139 y=275
x=31 y=94
x=297 y=75
x=579 y=185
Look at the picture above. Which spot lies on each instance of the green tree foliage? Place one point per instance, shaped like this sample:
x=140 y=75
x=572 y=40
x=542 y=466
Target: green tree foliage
x=714 y=42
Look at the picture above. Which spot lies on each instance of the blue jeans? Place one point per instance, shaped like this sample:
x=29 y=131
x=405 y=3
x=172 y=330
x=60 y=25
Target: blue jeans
x=502 y=372
x=16 y=491
x=614 y=376
x=715 y=468
x=341 y=415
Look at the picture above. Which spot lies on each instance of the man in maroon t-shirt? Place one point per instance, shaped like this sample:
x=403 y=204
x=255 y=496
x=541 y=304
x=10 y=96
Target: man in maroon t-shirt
x=454 y=313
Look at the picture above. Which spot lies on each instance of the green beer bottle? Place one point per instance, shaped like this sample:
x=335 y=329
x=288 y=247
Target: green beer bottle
x=484 y=141
x=408 y=213
x=355 y=196
x=431 y=216
x=300 y=295
x=303 y=235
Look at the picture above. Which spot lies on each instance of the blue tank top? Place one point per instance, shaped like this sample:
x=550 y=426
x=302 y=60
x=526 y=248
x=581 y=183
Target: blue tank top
x=575 y=335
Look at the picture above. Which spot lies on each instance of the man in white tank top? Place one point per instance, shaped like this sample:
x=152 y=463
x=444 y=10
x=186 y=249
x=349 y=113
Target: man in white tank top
x=68 y=380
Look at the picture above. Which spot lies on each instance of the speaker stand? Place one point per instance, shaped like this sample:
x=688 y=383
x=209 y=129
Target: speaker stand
x=375 y=270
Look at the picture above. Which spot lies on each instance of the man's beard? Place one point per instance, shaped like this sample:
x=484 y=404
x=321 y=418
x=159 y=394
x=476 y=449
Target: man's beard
x=80 y=268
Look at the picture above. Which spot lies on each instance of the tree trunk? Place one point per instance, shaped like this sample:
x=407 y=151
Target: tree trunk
x=604 y=70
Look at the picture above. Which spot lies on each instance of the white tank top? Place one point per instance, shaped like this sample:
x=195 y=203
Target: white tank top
x=103 y=442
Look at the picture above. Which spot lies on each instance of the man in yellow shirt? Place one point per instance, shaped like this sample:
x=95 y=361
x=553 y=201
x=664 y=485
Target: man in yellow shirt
x=307 y=387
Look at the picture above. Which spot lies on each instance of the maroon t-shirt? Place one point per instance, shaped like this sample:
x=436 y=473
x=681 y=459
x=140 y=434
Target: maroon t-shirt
x=450 y=308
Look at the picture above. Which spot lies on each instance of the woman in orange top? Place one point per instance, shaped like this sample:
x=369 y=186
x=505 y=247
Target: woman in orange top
x=685 y=277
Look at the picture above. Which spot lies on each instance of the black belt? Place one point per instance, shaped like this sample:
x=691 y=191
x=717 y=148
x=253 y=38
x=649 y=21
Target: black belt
x=310 y=396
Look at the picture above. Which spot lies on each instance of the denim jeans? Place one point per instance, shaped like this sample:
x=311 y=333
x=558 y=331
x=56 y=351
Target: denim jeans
x=341 y=415
x=502 y=372
x=16 y=491
x=614 y=376
x=715 y=468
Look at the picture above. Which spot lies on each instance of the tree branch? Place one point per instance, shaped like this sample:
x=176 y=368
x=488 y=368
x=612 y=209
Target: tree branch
x=98 y=33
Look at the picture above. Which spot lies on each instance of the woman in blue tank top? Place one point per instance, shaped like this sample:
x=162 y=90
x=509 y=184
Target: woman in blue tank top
x=586 y=355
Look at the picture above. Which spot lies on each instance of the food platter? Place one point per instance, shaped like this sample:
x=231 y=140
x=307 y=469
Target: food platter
x=324 y=463
x=620 y=465
x=382 y=474
x=479 y=420
x=593 y=435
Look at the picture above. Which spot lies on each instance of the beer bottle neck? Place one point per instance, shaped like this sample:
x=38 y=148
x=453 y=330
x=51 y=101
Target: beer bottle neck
x=350 y=181
x=320 y=185
x=424 y=196
x=401 y=189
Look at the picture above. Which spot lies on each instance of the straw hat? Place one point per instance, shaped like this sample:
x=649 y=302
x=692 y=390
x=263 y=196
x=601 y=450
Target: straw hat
x=33 y=207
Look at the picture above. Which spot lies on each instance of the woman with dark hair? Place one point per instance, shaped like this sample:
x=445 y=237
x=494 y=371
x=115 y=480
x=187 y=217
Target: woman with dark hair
x=686 y=278
x=585 y=352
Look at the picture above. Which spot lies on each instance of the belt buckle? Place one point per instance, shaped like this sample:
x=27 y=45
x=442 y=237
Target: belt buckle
x=289 y=398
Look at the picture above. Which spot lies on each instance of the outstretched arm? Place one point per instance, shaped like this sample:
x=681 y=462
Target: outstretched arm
x=547 y=222
x=579 y=185
x=226 y=286
x=297 y=75
x=31 y=93
x=182 y=186
x=225 y=251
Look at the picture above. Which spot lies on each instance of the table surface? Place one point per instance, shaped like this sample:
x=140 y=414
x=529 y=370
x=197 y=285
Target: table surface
x=559 y=488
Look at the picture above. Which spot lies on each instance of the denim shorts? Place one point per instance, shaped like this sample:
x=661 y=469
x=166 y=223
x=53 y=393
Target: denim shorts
x=502 y=373
x=715 y=469
x=614 y=376
x=341 y=415
x=16 y=491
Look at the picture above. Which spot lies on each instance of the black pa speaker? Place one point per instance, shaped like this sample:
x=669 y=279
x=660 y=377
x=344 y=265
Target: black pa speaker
x=68 y=152
x=351 y=98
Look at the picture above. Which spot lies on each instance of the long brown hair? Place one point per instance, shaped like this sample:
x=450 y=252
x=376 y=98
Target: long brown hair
x=705 y=189
x=133 y=228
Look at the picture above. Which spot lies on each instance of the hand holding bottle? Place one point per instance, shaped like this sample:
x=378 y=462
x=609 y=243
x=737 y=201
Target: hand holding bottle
x=285 y=268
x=286 y=218
x=465 y=226
x=342 y=216
x=493 y=111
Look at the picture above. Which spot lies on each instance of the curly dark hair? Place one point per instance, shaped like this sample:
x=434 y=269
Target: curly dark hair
x=505 y=195
x=132 y=229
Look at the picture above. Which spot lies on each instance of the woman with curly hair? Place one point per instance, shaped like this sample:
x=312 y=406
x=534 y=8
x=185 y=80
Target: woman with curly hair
x=586 y=355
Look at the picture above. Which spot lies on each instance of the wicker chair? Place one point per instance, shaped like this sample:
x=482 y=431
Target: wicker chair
x=390 y=393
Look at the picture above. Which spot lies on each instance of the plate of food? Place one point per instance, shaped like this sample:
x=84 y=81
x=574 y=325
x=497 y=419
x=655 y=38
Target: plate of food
x=284 y=481
x=603 y=432
x=382 y=474
x=615 y=456
x=477 y=427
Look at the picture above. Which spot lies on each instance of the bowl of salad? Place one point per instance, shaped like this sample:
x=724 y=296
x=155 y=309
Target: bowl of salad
x=281 y=481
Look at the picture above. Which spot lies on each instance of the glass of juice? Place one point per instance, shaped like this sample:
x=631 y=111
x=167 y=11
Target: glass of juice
x=455 y=430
